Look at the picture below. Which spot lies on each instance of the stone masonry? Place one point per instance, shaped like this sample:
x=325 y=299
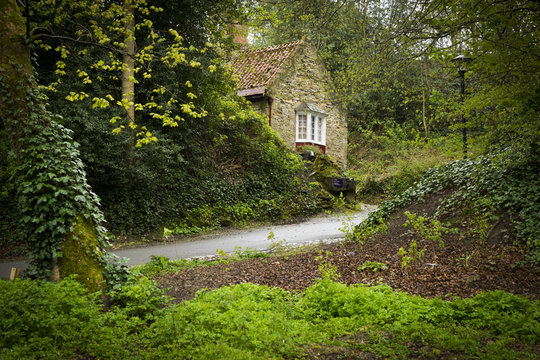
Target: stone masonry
x=302 y=78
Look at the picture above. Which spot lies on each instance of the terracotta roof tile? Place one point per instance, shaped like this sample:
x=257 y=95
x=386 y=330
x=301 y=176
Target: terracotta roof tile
x=257 y=68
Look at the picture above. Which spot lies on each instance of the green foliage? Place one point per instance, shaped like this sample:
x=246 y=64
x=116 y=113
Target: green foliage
x=212 y=216
x=412 y=255
x=243 y=321
x=223 y=257
x=280 y=246
x=140 y=297
x=305 y=148
x=115 y=269
x=479 y=215
x=248 y=253
x=374 y=266
x=435 y=324
x=184 y=230
x=467 y=259
x=364 y=233
x=207 y=184
x=250 y=321
x=326 y=269
x=52 y=321
x=392 y=70
x=160 y=50
x=217 y=165
x=507 y=180
x=239 y=254
x=8 y=209
x=423 y=230
x=347 y=225
x=503 y=79
x=160 y=265
x=387 y=162
x=427 y=229
x=52 y=192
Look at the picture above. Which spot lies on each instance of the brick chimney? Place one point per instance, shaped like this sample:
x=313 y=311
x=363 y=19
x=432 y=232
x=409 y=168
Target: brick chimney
x=239 y=34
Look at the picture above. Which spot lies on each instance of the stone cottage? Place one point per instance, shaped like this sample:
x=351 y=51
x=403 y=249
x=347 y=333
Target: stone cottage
x=290 y=85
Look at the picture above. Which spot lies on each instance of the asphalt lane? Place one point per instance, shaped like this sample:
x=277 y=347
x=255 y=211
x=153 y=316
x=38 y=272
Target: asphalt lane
x=319 y=229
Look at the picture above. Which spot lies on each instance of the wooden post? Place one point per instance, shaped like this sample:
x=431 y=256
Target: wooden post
x=14 y=274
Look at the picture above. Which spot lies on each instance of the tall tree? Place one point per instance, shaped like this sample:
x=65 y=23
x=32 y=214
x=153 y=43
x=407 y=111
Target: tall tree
x=128 y=66
x=382 y=53
x=503 y=80
x=208 y=156
x=59 y=212
x=134 y=74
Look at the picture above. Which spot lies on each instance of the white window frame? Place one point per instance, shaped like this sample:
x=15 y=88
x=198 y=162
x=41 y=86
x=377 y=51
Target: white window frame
x=304 y=129
x=315 y=126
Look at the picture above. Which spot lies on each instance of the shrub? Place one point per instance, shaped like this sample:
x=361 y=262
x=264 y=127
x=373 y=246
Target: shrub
x=247 y=320
x=60 y=321
x=390 y=322
x=54 y=321
x=139 y=297
x=386 y=164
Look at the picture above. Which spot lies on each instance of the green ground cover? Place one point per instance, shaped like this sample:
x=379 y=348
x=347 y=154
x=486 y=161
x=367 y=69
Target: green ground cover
x=247 y=321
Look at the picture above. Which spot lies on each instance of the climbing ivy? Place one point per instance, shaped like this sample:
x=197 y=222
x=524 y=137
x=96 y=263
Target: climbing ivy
x=8 y=233
x=51 y=189
x=508 y=179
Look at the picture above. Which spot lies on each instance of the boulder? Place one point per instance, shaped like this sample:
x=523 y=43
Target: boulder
x=332 y=178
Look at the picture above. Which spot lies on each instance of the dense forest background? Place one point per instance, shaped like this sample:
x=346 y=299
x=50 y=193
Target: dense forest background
x=195 y=155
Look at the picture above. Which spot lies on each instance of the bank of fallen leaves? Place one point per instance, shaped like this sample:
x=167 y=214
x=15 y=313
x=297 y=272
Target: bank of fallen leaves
x=462 y=268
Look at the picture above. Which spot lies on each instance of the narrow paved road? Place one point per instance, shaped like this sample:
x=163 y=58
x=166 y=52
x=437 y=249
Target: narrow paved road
x=315 y=230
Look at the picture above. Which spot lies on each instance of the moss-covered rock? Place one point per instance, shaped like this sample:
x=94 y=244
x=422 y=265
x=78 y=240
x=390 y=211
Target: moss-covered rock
x=332 y=178
x=324 y=167
x=79 y=256
x=324 y=198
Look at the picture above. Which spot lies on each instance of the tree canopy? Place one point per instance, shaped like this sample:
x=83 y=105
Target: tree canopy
x=391 y=60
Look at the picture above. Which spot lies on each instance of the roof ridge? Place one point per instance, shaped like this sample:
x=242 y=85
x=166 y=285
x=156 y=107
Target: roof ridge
x=273 y=47
x=293 y=47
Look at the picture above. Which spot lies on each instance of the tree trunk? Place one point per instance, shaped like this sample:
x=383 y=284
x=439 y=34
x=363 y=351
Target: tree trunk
x=128 y=73
x=128 y=80
x=59 y=212
x=424 y=112
x=424 y=85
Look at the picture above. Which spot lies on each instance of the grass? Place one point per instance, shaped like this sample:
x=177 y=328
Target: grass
x=159 y=265
x=384 y=165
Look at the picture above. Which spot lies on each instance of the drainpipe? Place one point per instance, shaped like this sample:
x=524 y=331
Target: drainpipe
x=270 y=101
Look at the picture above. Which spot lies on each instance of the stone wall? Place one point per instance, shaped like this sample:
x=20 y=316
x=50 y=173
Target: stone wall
x=304 y=79
x=261 y=105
